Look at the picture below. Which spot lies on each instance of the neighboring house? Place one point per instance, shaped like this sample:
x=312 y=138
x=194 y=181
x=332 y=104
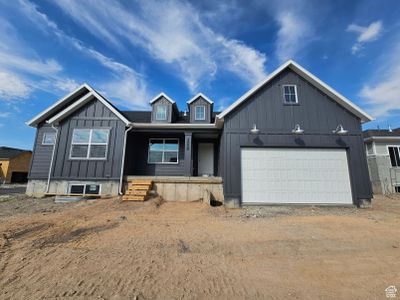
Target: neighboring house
x=383 y=148
x=290 y=139
x=14 y=165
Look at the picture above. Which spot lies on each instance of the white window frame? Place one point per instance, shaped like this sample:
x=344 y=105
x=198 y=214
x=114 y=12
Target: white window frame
x=388 y=153
x=89 y=144
x=84 y=184
x=295 y=94
x=195 y=112
x=163 y=151
x=166 y=112
x=44 y=138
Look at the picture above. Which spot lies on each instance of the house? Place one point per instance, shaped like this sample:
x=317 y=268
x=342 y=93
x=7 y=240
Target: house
x=14 y=165
x=291 y=139
x=382 y=147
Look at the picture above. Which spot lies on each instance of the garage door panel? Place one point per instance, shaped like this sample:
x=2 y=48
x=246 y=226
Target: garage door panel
x=281 y=175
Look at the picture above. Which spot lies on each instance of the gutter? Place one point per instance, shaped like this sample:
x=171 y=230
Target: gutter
x=52 y=158
x=123 y=159
x=216 y=125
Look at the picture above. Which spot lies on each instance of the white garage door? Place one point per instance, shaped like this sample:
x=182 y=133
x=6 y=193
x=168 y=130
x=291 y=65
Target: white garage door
x=281 y=175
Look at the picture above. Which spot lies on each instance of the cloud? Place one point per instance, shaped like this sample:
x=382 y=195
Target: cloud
x=22 y=72
x=171 y=32
x=13 y=87
x=126 y=84
x=365 y=34
x=293 y=34
x=5 y=114
x=382 y=94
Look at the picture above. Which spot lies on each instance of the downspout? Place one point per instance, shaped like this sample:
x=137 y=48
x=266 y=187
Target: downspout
x=52 y=158
x=121 y=177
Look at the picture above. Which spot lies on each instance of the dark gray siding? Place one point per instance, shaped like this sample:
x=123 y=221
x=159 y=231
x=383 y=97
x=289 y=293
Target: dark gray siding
x=41 y=155
x=316 y=113
x=202 y=102
x=162 y=101
x=137 y=153
x=92 y=115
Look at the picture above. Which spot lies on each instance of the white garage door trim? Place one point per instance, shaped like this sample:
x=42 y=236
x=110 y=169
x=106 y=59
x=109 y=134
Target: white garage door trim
x=295 y=176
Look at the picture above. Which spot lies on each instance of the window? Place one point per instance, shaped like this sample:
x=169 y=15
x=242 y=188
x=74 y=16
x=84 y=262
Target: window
x=397 y=188
x=161 y=112
x=290 y=94
x=199 y=112
x=89 y=144
x=394 y=155
x=163 y=151
x=49 y=138
x=84 y=189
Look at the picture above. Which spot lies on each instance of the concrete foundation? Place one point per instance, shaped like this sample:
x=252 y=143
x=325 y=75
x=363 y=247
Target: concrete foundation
x=37 y=188
x=181 y=188
x=383 y=176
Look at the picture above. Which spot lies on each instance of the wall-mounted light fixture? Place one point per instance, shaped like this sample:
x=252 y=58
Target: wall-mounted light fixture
x=254 y=130
x=340 y=130
x=297 y=130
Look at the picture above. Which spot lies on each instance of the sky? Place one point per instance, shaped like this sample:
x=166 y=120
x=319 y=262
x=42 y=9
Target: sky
x=130 y=51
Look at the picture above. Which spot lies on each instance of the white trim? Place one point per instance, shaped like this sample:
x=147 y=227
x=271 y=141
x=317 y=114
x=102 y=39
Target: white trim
x=82 y=101
x=42 y=115
x=121 y=174
x=44 y=136
x=74 y=106
x=310 y=78
x=162 y=94
x=199 y=95
x=156 y=112
x=109 y=106
x=381 y=138
x=177 y=125
x=163 y=151
x=89 y=144
x=295 y=94
x=195 y=112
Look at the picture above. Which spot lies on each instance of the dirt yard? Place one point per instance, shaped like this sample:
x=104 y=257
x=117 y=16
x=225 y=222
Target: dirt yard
x=105 y=249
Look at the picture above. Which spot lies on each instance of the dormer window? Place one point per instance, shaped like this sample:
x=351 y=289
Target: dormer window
x=290 y=94
x=200 y=113
x=161 y=112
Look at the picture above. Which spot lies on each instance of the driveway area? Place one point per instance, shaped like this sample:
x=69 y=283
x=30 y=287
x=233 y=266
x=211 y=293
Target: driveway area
x=105 y=249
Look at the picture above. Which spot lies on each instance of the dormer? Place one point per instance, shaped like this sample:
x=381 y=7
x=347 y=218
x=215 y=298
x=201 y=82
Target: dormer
x=200 y=109
x=164 y=109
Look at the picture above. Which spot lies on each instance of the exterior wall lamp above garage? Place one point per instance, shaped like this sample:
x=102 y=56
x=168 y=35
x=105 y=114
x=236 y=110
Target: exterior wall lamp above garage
x=297 y=130
x=340 y=130
x=254 y=130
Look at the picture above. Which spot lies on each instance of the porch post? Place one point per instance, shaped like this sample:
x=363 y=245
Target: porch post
x=188 y=154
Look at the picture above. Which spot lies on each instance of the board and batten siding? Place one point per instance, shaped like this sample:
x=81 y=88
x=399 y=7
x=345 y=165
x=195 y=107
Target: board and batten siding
x=208 y=110
x=94 y=115
x=136 y=162
x=41 y=155
x=316 y=113
x=168 y=104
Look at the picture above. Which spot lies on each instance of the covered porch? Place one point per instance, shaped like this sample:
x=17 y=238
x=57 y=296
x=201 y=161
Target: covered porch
x=183 y=165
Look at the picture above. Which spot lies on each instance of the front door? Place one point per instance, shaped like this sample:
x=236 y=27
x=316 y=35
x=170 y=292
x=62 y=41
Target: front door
x=206 y=159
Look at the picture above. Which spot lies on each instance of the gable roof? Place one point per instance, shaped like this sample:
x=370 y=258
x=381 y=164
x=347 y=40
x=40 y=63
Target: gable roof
x=161 y=95
x=202 y=96
x=69 y=104
x=8 y=152
x=340 y=99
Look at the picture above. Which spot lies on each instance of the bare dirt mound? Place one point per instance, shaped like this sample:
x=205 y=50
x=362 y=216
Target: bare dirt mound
x=108 y=249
